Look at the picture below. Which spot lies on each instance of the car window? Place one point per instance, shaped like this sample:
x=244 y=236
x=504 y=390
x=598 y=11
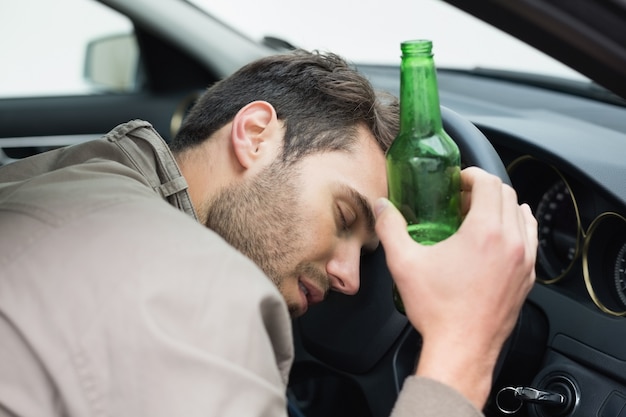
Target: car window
x=43 y=45
x=367 y=33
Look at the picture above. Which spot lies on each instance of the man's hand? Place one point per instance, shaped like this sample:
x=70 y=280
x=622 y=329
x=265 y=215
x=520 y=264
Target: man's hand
x=464 y=294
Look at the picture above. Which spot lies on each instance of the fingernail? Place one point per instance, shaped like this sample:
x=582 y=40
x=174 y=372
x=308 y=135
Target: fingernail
x=380 y=205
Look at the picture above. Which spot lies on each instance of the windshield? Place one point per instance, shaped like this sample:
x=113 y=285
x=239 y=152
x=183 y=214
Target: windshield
x=366 y=32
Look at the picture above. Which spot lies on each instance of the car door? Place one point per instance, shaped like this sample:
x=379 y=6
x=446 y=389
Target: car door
x=74 y=69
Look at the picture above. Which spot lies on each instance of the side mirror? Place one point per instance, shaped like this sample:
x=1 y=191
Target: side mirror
x=112 y=62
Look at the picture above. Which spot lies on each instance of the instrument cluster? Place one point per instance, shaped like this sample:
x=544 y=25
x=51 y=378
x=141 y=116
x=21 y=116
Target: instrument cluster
x=582 y=236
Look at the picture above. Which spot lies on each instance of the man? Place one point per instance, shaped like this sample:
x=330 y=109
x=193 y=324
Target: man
x=113 y=302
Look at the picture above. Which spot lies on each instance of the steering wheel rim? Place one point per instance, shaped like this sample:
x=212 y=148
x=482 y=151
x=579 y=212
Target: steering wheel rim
x=474 y=146
x=352 y=337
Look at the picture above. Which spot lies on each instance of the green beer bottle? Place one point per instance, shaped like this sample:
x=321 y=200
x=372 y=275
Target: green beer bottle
x=423 y=163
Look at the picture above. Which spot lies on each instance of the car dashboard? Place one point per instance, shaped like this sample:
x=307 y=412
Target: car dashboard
x=570 y=171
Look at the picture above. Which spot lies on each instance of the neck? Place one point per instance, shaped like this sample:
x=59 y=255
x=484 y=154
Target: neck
x=206 y=168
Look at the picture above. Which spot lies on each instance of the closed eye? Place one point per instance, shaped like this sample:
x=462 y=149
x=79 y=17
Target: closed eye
x=343 y=220
x=346 y=215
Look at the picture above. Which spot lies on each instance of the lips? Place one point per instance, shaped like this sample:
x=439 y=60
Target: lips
x=310 y=293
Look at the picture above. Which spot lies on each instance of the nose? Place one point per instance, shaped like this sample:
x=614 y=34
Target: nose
x=343 y=269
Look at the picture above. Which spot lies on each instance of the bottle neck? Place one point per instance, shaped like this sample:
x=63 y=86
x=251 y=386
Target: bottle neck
x=419 y=96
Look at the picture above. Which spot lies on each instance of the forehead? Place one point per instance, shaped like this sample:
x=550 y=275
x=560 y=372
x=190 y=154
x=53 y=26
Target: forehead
x=362 y=168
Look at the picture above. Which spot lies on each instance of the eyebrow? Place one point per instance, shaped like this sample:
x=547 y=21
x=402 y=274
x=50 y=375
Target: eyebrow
x=363 y=207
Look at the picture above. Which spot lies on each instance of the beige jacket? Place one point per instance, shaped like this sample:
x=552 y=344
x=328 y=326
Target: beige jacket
x=113 y=303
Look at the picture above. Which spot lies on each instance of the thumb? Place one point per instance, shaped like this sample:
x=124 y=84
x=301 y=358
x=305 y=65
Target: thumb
x=390 y=226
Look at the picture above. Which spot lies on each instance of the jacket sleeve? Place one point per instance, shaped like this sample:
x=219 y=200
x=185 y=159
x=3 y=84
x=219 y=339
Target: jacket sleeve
x=424 y=397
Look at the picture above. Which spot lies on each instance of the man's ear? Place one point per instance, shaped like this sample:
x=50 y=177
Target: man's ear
x=255 y=133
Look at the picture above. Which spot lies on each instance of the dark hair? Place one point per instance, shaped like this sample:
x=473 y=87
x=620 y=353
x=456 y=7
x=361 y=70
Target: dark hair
x=319 y=97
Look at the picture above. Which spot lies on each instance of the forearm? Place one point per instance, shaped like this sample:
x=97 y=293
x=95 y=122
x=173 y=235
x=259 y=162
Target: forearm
x=466 y=369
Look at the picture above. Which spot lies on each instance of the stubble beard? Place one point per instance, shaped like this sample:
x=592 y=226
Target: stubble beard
x=260 y=218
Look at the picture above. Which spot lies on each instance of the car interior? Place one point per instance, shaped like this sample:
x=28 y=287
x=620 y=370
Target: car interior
x=560 y=144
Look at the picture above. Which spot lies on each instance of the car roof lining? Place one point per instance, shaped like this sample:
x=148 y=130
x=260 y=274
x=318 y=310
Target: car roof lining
x=573 y=31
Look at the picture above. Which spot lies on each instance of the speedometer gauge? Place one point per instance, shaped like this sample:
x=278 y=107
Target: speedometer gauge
x=604 y=263
x=619 y=278
x=558 y=231
x=549 y=195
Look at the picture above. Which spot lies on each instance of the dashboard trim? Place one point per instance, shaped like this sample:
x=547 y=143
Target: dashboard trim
x=598 y=221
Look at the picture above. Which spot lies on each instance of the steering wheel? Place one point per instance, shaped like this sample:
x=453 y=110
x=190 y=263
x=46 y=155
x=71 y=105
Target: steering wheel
x=354 y=352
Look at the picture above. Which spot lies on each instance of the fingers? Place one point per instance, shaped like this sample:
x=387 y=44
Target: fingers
x=531 y=225
x=512 y=215
x=482 y=195
x=494 y=204
x=390 y=227
x=521 y=225
x=471 y=175
x=533 y=237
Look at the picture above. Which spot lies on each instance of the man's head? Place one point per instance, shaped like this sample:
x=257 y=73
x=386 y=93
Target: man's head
x=320 y=99
x=284 y=160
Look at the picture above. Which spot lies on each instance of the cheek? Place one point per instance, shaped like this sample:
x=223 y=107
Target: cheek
x=320 y=234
